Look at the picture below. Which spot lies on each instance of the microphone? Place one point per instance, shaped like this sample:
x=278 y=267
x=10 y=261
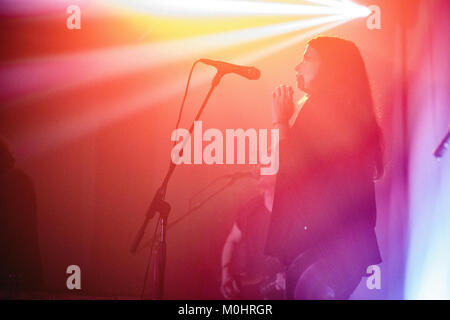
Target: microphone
x=251 y=73
x=440 y=150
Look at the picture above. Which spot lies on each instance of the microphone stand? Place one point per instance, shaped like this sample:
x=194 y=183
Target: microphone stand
x=159 y=205
x=232 y=179
x=442 y=148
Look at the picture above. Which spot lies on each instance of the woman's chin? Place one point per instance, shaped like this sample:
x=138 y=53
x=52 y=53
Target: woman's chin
x=301 y=84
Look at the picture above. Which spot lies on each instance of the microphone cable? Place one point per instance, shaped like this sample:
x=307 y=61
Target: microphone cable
x=184 y=97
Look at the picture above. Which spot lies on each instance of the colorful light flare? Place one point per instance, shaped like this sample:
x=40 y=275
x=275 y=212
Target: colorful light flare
x=208 y=8
x=71 y=70
x=77 y=69
x=33 y=145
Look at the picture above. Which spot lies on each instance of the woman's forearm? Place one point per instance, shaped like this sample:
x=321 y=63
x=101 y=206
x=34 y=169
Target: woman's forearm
x=227 y=255
x=283 y=128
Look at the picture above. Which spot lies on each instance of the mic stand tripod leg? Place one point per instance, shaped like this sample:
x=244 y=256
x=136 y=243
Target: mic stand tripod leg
x=160 y=263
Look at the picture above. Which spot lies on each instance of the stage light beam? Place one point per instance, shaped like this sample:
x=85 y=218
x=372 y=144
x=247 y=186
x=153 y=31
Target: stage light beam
x=53 y=136
x=124 y=60
x=208 y=8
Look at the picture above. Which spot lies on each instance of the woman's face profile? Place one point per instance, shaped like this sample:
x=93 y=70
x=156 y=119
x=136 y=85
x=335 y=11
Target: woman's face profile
x=308 y=68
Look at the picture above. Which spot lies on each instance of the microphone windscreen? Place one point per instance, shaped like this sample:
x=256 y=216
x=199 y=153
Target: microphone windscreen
x=254 y=73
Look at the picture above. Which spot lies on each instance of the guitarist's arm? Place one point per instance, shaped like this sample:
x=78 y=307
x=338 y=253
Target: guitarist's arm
x=229 y=286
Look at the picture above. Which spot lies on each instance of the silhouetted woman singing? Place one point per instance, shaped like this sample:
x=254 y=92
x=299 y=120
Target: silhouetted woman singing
x=324 y=211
